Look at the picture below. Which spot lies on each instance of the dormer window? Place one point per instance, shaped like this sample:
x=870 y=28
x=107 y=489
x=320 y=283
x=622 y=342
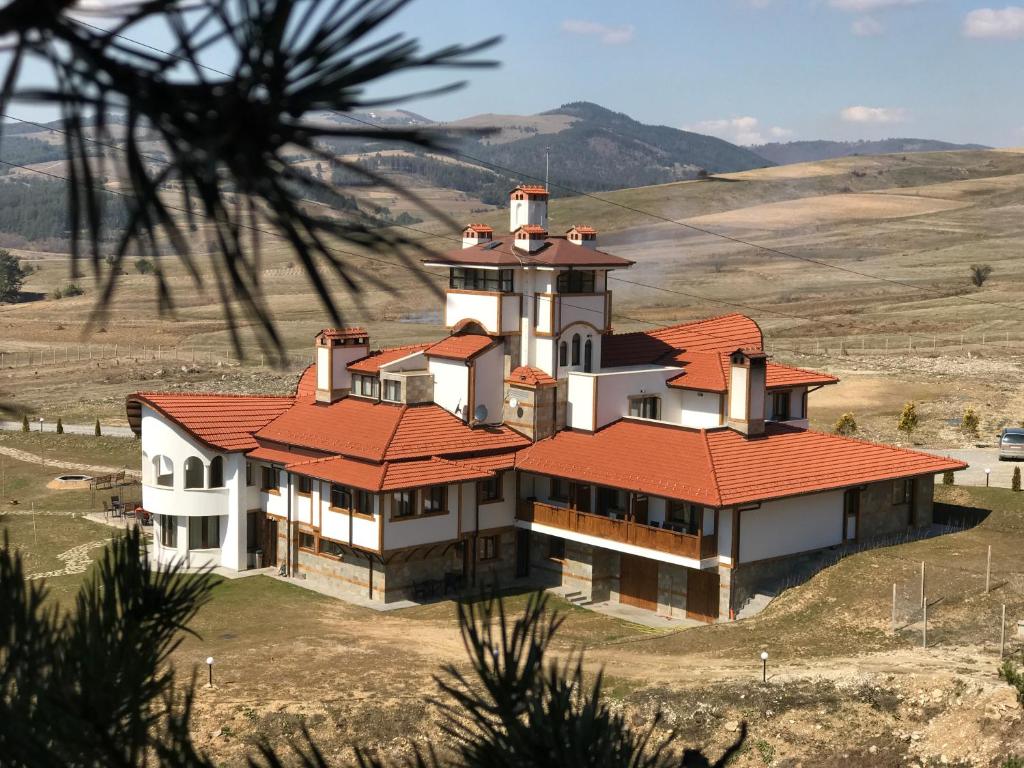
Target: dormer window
x=392 y=391
x=576 y=281
x=366 y=386
x=468 y=279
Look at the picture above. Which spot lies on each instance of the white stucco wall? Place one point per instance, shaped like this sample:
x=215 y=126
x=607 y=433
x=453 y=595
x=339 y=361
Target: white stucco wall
x=788 y=526
x=575 y=308
x=498 y=514
x=700 y=410
x=451 y=384
x=582 y=392
x=489 y=379
x=413 y=531
x=481 y=307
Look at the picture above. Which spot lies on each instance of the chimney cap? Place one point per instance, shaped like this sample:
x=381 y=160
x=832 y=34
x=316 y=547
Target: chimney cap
x=531 y=229
x=479 y=228
x=344 y=333
x=530 y=190
x=582 y=229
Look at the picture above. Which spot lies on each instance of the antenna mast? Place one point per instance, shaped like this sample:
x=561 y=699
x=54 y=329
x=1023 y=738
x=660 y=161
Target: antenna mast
x=547 y=166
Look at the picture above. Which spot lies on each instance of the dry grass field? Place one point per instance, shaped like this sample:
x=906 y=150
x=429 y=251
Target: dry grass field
x=843 y=687
x=919 y=220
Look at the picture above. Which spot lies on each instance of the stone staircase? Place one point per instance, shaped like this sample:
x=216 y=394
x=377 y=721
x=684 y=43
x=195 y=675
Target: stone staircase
x=754 y=605
x=575 y=597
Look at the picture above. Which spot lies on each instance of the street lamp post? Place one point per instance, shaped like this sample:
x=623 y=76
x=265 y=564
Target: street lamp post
x=764 y=666
x=209 y=666
x=988 y=473
x=40 y=423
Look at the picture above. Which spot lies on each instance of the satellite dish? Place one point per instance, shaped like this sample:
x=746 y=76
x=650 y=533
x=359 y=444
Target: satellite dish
x=513 y=403
x=480 y=413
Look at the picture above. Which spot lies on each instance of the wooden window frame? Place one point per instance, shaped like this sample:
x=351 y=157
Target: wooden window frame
x=329 y=555
x=298 y=540
x=412 y=505
x=385 y=384
x=164 y=528
x=356 y=497
x=556 y=482
x=574 y=281
x=482 y=499
x=250 y=478
x=421 y=497
x=481 y=548
x=304 y=481
x=907 y=494
x=191 y=460
x=687 y=506
x=786 y=397
x=275 y=489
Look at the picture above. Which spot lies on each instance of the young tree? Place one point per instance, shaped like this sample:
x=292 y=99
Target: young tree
x=1015 y=480
x=12 y=276
x=970 y=422
x=979 y=274
x=948 y=478
x=845 y=425
x=24 y=423
x=60 y=426
x=97 y=430
x=1014 y=677
x=908 y=420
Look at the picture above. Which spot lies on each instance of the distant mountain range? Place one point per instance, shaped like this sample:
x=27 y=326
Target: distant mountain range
x=809 y=151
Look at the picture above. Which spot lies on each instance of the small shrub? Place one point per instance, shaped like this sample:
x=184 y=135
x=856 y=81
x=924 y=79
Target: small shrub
x=97 y=429
x=846 y=425
x=1015 y=482
x=1013 y=761
x=73 y=289
x=979 y=274
x=947 y=477
x=1014 y=677
x=24 y=423
x=144 y=266
x=909 y=420
x=969 y=423
x=60 y=426
x=57 y=294
x=767 y=752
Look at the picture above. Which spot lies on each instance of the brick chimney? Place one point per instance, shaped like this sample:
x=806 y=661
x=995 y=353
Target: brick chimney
x=747 y=369
x=335 y=349
x=528 y=204
x=530 y=237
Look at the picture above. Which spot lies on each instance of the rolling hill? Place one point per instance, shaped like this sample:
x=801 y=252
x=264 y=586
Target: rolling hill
x=810 y=151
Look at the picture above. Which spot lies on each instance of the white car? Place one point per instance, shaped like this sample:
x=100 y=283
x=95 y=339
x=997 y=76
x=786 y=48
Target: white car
x=1011 y=444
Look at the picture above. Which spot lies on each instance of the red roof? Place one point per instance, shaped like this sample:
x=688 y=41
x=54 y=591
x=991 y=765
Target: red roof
x=480 y=228
x=373 y=431
x=532 y=377
x=224 y=422
x=531 y=189
x=702 y=371
x=554 y=252
x=337 y=469
x=390 y=476
x=344 y=333
x=721 y=468
x=779 y=376
x=726 y=333
x=274 y=454
x=583 y=229
x=462 y=347
x=531 y=229
x=373 y=361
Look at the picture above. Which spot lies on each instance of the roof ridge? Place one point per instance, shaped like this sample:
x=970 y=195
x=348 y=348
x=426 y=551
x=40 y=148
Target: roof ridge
x=150 y=393
x=394 y=431
x=711 y=463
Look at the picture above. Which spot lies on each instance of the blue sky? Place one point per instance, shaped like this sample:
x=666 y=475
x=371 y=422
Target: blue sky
x=746 y=70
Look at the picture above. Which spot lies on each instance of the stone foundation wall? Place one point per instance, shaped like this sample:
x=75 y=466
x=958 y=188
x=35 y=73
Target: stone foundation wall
x=880 y=517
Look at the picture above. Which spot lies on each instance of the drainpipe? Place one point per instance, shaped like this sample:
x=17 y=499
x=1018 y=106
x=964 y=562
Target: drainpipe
x=288 y=526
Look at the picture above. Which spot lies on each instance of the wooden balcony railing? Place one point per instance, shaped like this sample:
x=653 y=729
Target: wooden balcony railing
x=622 y=531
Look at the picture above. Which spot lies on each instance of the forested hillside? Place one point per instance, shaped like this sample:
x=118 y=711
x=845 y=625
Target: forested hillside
x=810 y=151
x=37 y=209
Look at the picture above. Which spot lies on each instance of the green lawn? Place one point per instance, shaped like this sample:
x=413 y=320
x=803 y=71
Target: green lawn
x=83 y=449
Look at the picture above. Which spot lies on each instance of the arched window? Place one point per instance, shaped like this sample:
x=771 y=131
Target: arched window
x=194 y=472
x=588 y=356
x=163 y=471
x=563 y=354
x=217 y=472
x=575 y=349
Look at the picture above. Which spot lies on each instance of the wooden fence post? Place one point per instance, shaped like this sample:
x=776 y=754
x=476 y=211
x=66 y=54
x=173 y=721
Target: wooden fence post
x=924 y=625
x=894 y=608
x=922 y=582
x=1002 y=633
x=988 y=570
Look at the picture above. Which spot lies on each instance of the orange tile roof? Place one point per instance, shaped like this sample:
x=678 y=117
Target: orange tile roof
x=430 y=430
x=531 y=229
x=702 y=371
x=494 y=462
x=583 y=229
x=224 y=422
x=720 y=467
x=305 y=390
x=462 y=347
x=344 y=333
x=275 y=454
x=338 y=469
x=531 y=189
x=480 y=228
x=532 y=377
x=373 y=361
x=725 y=333
x=432 y=471
x=787 y=376
x=554 y=252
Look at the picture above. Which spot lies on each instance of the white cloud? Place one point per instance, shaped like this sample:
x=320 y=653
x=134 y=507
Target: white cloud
x=606 y=34
x=1007 y=23
x=873 y=114
x=740 y=130
x=863 y=6
x=867 y=26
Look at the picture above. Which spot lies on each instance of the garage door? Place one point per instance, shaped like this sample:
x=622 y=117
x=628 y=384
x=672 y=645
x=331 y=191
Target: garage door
x=702 y=595
x=638 y=582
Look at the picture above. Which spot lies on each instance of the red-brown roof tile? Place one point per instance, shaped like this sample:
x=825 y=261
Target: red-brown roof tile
x=720 y=467
x=461 y=347
x=432 y=471
x=555 y=252
x=430 y=430
x=344 y=333
x=583 y=229
x=531 y=377
x=338 y=469
x=532 y=189
x=275 y=454
x=778 y=376
x=480 y=227
x=531 y=229
x=373 y=361
x=702 y=371
x=224 y=422
x=352 y=426
x=725 y=333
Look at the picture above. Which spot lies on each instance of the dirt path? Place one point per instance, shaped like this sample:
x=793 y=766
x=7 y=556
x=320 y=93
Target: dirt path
x=76 y=560
x=95 y=469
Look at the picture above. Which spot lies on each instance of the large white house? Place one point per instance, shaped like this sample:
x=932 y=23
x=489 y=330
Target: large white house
x=670 y=469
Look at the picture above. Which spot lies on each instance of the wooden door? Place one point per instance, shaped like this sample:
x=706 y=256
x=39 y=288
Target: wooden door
x=851 y=513
x=581 y=497
x=638 y=582
x=269 y=541
x=702 y=595
x=522 y=553
x=640 y=509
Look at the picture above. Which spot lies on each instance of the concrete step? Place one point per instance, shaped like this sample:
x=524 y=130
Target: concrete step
x=754 y=605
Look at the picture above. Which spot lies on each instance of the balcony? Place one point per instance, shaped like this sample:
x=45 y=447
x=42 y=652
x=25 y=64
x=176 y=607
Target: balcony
x=669 y=542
